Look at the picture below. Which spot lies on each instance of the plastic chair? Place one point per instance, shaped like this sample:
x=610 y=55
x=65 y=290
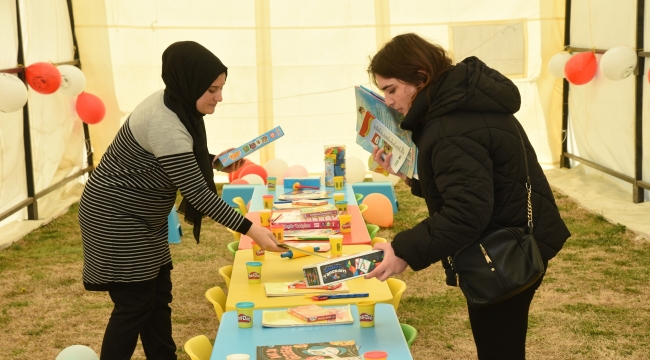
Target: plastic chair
x=372 y=230
x=241 y=204
x=377 y=240
x=362 y=208
x=226 y=273
x=358 y=197
x=397 y=288
x=233 y=246
x=198 y=348
x=218 y=299
x=410 y=333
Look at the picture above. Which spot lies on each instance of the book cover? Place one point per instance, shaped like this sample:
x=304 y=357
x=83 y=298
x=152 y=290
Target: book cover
x=309 y=202
x=248 y=148
x=282 y=289
x=293 y=220
x=304 y=194
x=311 y=313
x=378 y=124
x=320 y=350
x=316 y=211
x=281 y=318
x=342 y=268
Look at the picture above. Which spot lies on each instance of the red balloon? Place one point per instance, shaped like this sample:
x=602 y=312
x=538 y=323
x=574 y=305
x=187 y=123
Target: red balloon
x=235 y=174
x=239 y=181
x=90 y=108
x=254 y=169
x=43 y=77
x=581 y=68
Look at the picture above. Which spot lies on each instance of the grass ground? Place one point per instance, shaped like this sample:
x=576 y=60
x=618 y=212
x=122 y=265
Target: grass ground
x=593 y=303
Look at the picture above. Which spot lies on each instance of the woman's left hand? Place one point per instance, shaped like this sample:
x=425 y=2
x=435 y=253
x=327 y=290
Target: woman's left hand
x=391 y=264
x=232 y=167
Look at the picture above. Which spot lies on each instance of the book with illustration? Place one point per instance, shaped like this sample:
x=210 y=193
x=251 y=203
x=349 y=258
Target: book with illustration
x=284 y=289
x=378 y=124
x=248 y=148
x=316 y=211
x=320 y=350
x=304 y=194
x=294 y=220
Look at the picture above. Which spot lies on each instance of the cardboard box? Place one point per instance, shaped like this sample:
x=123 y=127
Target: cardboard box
x=342 y=268
x=248 y=148
x=334 y=163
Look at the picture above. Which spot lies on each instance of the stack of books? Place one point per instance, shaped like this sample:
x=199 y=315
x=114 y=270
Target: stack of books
x=296 y=220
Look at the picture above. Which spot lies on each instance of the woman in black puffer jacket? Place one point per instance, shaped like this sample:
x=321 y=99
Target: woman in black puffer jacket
x=471 y=174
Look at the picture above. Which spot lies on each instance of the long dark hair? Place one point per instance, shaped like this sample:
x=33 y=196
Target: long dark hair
x=411 y=59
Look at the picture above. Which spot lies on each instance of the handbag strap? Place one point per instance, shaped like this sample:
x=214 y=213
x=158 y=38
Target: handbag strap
x=528 y=182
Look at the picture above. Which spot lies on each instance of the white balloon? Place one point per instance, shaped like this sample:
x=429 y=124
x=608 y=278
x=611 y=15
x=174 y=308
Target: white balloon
x=276 y=167
x=377 y=177
x=73 y=80
x=355 y=170
x=253 y=179
x=557 y=63
x=618 y=62
x=13 y=93
x=77 y=352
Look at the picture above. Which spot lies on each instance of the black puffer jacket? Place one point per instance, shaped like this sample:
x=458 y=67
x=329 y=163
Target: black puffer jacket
x=471 y=167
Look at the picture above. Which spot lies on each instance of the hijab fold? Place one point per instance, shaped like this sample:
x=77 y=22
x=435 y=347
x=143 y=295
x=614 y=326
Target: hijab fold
x=188 y=70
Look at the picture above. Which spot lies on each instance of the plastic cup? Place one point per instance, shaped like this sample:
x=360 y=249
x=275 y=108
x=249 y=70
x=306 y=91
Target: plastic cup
x=345 y=221
x=245 y=314
x=238 y=357
x=342 y=206
x=366 y=314
x=268 y=201
x=270 y=183
x=338 y=197
x=265 y=216
x=375 y=355
x=258 y=252
x=336 y=245
x=254 y=271
x=338 y=182
x=278 y=232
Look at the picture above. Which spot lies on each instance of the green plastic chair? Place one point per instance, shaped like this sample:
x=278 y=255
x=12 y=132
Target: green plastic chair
x=372 y=230
x=233 y=246
x=410 y=333
x=358 y=197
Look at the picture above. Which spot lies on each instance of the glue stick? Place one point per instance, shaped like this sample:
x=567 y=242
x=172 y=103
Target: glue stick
x=291 y=255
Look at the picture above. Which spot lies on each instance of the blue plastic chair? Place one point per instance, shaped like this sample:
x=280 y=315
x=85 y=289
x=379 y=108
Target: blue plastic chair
x=174 y=231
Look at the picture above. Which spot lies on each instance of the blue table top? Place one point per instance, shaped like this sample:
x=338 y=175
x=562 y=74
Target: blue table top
x=258 y=204
x=386 y=335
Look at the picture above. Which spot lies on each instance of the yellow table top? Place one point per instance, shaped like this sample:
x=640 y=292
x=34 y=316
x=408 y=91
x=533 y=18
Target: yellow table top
x=276 y=269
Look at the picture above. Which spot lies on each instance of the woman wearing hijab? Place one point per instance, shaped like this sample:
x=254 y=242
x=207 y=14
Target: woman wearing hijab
x=160 y=149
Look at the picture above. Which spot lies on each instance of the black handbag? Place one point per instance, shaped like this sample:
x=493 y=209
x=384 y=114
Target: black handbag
x=501 y=263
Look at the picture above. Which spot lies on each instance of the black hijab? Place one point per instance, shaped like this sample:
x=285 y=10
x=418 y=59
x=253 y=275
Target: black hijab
x=188 y=70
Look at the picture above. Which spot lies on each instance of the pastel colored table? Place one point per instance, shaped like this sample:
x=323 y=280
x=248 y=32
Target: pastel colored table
x=358 y=236
x=257 y=204
x=386 y=335
x=276 y=269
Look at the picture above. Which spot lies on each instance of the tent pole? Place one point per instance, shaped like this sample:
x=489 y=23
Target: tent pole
x=637 y=191
x=565 y=161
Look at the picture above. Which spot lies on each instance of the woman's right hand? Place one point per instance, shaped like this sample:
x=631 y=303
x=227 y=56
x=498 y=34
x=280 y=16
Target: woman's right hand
x=264 y=238
x=384 y=162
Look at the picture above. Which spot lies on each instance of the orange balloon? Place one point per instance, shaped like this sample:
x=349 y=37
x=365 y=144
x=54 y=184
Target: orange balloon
x=581 y=68
x=380 y=210
x=254 y=169
x=235 y=174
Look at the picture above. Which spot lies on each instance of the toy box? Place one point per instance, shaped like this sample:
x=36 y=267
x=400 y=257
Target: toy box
x=334 y=163
x=248 y=148
x=342 y=268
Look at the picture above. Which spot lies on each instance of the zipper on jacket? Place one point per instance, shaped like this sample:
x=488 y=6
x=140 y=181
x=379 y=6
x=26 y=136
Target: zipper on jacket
x=491 y=264
x=449 y=259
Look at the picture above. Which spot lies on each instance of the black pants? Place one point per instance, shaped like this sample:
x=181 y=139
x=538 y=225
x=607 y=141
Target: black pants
x=500 y=330
x=143 y=311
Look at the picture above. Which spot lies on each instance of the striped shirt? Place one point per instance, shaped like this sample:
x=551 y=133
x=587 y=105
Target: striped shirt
x=125 y=204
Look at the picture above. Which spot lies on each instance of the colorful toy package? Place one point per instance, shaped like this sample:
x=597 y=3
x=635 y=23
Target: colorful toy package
x=334 y=163
x=342 y=268
x=248 y=148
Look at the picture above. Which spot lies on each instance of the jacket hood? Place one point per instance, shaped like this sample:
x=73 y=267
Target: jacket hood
x=470 y=86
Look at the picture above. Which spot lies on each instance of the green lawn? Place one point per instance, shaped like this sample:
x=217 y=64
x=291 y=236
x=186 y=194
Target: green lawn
x=593 y=303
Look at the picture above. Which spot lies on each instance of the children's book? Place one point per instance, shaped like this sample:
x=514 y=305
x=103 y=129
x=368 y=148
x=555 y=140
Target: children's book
x=320 y=350
x=293 y=220
x=283 y=289
x=304 y=194
x=317 y=211
x=310 y=234
x=378 y=124
x=248 y=148
x=312 y=313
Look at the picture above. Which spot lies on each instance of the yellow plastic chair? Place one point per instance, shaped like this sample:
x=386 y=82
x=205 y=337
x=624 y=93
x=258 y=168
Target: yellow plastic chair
x=410 y=333
x=377 y=240
x=218 y=299
x=233 y=246
x=226 y=273
x=362 y=208
x=358 y=197
x=198 y=348
x=242 y=205
x=236 y=235
x=397 y=288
